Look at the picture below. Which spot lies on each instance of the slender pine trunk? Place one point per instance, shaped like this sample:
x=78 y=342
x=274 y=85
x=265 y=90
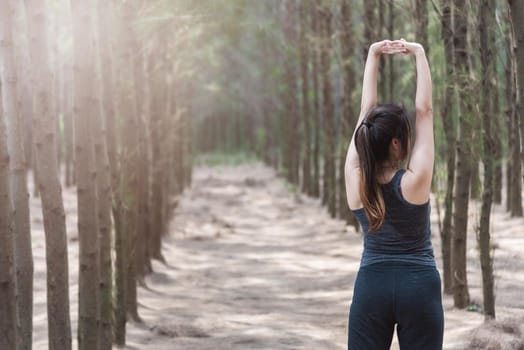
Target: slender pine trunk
x=329 y=117
x=306 y=114
x=464 y=139
x=85 y=105
x=8 y=320
x=104 y=177
x=10 y=53
x=449 y=132
x=316 y=29
x=486 y=262
x=44 y=128
x=348 y=121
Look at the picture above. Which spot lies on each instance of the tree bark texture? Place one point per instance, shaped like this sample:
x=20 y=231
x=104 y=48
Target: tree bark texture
x=10 y=72
x=515 y=177
x=292 y=121
x=517 y=20
x=306 y=114
x=464 y=139
x=129 y=158
x=421 y=24
x=347 y=43
x=329 y=175
x=85 y=107
x=486 y=55
x=103 y=179
x=8 y=320
x=316 y=29
x=449 y=132
x=158 y=193
x=44 y=128
x=120 y=186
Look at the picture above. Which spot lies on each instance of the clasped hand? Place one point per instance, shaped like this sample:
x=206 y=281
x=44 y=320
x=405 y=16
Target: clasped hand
x=390 y=47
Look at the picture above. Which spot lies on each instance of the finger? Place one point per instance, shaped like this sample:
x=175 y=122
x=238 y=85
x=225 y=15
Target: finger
x=393 y=52
x=398 y=49
x=399 y=43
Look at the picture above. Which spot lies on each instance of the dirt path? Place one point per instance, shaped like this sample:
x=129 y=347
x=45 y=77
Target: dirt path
x=252 y=266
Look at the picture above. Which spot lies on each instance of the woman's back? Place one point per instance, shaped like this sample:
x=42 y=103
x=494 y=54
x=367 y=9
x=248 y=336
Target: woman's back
x=405 y=234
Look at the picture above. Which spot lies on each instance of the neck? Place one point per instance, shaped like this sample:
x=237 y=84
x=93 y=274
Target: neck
x=386 y=172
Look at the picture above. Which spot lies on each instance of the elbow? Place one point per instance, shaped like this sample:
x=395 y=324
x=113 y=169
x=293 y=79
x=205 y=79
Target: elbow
x=424 y=110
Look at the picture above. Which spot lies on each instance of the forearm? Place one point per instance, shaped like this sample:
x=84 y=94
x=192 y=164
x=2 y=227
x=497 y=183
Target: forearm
x=423 y=97
x=369 y=85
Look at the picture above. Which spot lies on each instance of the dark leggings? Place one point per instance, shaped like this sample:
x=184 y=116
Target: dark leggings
x=392 y=293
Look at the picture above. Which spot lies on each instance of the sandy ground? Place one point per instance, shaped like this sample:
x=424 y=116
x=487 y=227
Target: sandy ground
x=252 y=266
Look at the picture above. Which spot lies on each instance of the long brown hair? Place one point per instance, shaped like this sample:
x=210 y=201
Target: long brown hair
x=372 y=140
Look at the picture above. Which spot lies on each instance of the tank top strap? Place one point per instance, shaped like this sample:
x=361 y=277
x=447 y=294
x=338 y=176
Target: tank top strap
x=395 y=183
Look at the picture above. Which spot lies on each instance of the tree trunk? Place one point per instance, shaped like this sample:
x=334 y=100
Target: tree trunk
x=86 y=107
x=315 y=188
x=476 y=140
x=141 y=165
x=464 y=139
x=188 y=140
x=12 y=102
x=421 y=24
x=158 y=193
x=449 y=131
x=509 y=112
x=44 y=127
x=8 y=321
x=329 y=117
x=129 y=158
x=392 y=73
x=517 y=19
x=103 y=179
x=495 y=112
x=382 y=86
x=348 y=121
x=369 y=20
x=486 y=262
x=144 y=228
x=291 y=103
x=67 y=107
x=68 y=126
x=306 y=115
x=122 y=104
x=516 y=166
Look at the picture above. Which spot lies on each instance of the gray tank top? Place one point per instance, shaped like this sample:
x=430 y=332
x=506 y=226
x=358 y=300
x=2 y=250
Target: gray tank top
x=405 y=235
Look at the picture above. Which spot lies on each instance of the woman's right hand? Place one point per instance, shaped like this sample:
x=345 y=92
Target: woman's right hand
x=410 y=47
x=388 y=47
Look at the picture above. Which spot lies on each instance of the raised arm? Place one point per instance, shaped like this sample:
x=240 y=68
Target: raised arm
x=369 y=100
x=369 y=87
x=416 y=184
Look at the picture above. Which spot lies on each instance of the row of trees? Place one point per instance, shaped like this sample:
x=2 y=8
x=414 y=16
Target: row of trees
x=307 y=59
x=111 y=90
x=88 y=87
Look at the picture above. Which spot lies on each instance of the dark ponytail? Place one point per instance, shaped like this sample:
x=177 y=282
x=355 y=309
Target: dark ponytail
x=372 y=141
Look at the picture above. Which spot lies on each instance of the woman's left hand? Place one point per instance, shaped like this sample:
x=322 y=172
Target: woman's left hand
x=388 y=47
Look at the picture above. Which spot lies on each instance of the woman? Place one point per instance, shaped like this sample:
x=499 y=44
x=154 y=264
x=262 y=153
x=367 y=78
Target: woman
x=397 y=283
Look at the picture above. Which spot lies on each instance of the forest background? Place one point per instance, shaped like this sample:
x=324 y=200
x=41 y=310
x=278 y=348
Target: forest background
x=117 y=98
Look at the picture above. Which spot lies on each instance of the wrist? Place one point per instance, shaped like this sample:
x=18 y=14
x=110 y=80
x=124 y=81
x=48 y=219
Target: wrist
x=373 y=51
x=419 y=51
